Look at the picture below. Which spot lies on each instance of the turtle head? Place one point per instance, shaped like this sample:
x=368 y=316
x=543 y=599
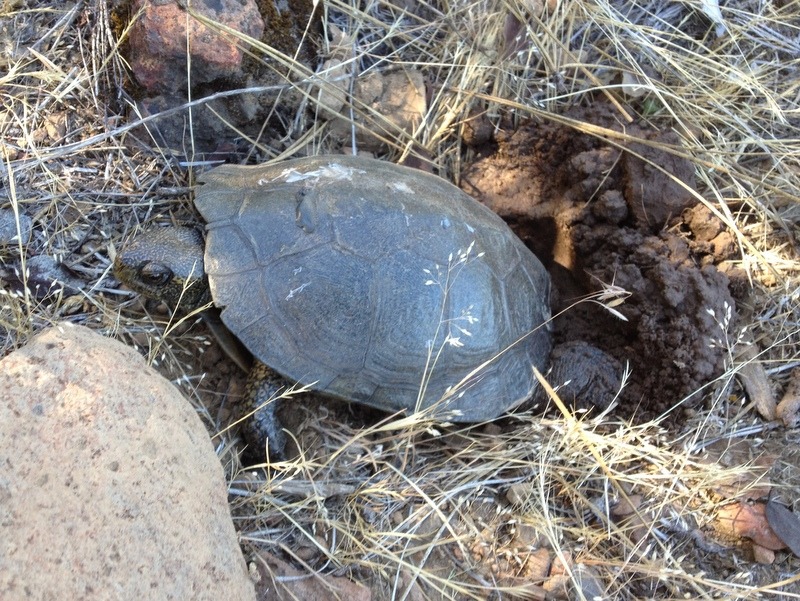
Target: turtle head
x=165 y=264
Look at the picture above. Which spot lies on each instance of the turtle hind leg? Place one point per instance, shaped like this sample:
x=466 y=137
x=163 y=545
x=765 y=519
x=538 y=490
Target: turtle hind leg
x=263 y=430
x=587 y=375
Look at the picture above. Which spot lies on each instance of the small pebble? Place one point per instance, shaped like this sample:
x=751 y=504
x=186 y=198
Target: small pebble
x=9 y=233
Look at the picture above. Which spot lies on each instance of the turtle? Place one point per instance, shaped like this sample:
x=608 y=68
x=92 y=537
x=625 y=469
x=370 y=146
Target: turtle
x=360 y=279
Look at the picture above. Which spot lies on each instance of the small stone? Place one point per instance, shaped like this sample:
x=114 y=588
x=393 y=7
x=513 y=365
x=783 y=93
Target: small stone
x=589 y=583
x=611 y=207
x=12 y=232
x=396 y=104
x=45 y=276
x=704 y=224
x=519 y=493
x=478 y=130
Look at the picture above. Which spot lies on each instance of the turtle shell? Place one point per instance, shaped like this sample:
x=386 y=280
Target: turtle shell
x=376 y=283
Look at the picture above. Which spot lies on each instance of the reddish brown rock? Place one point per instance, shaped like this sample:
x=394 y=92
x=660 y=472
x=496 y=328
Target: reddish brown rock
x=158 y=41
x=743 y=520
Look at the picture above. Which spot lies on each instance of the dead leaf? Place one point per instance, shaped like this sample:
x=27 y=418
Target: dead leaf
x=712 y=11
x=756 y=384
x=633 y=85
x=629 y=515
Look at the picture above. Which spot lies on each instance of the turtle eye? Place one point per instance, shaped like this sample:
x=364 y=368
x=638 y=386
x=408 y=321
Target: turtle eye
x=155 y=274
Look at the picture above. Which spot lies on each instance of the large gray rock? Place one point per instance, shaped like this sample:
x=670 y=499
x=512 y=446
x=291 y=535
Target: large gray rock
x=109 y=485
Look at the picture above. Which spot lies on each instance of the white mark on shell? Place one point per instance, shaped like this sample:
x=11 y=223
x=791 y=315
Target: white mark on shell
x=401 y=187
x=332 y=171
x=297 y=290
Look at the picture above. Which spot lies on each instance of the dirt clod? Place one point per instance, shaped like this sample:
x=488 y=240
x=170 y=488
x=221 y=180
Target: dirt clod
x=599 y=216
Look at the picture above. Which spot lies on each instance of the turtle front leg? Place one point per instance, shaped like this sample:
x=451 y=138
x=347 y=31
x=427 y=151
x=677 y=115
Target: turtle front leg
x=262 y=430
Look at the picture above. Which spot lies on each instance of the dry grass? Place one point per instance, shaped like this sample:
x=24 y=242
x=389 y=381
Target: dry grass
x=411 y=509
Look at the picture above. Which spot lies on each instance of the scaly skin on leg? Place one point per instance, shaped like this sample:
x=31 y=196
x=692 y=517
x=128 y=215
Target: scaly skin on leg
x=263 y=430
x=594 y=376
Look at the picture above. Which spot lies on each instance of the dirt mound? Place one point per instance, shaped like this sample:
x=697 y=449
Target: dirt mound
x=601 y=214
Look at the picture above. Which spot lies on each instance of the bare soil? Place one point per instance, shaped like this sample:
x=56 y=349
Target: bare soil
x=598 y=215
